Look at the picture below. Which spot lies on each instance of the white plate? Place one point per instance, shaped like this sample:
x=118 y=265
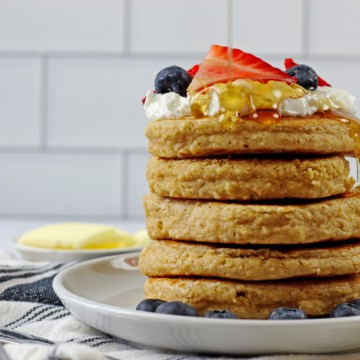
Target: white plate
x=41 y=254
x=103 y=293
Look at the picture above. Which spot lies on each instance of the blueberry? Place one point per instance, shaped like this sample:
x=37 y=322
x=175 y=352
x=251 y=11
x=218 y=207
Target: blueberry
x=176 y=308
x=172 y=79
x=220 y=314
x=306 y=76
x=345 y=309
x=284 y=313
x=355 y=301
x=149 y=305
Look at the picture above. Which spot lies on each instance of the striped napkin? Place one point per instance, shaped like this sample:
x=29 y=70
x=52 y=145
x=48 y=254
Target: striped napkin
x=29 y=304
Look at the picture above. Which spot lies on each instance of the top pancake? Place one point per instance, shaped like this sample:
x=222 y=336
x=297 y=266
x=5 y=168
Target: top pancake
x=192 y=137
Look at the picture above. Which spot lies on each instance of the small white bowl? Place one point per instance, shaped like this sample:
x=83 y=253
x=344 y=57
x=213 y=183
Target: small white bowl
x=43 y=254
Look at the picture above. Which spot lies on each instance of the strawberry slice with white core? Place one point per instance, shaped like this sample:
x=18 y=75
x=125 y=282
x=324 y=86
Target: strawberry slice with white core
x=289 y=63
x=217 y=67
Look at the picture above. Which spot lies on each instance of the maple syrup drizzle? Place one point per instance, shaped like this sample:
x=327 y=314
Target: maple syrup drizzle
x=230 y=32
x=353 y=124
x=268 y=117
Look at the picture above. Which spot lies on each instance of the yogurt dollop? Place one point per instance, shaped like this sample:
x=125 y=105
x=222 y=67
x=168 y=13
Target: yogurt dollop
x=323 y=99
x=166 y=106
x=174 y=106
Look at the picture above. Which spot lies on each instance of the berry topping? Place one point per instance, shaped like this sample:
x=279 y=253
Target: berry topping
x=355 y=301
x=284 y=313
x=149 y=305
x=217 y=68
x=306 y=76
x=176 y=308
x=172 y=79
x=193 y=70
x=345 y=309
x=290 y=63
x=220 y=314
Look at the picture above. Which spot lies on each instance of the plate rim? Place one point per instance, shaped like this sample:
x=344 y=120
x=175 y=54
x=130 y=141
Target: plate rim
x=113 y=310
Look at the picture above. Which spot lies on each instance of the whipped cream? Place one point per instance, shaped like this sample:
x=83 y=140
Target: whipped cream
x=166 y=106
x=323 y=99
x=213 y=107
x=174 y=106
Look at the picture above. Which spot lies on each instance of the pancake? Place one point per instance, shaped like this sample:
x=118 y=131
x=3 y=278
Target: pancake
x=176 y=258
x=237 y=223
x=249 y=179
x=251 y=300
x=189 y=137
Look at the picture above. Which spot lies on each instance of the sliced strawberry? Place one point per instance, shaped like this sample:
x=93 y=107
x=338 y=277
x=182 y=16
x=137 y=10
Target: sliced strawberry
x=289 y=63
x=193 y=70
x=322 y=82
x=216 y=68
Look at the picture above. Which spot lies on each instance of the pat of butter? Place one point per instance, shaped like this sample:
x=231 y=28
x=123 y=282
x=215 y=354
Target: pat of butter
x=77 y=236
x=141 y=238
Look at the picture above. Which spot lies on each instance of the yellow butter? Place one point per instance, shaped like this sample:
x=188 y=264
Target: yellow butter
x=77 y=236
x=141 y=238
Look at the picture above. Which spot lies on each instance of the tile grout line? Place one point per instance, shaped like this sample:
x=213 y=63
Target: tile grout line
x=73 y=55
x=127 y=27
x=305 y=23
x=43 y=102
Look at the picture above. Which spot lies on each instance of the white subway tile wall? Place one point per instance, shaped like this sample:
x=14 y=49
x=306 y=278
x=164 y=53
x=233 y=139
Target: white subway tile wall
x=62 y=25
x=275 y=29
x=72 y=75
x=334 y=26
x=73 y=184
x=163 y=26
x=20 y=107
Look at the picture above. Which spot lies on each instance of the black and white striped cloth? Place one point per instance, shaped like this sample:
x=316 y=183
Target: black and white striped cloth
x=29 y=304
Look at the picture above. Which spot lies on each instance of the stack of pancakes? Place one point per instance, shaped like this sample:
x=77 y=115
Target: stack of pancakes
x=252 y=216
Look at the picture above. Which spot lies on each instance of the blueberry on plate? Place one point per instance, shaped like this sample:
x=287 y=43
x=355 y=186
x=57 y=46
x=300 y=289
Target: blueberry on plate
x=284 y=313
x=345 y=309
x=172 y=79
x=355 y=301
x=220 y=314
x=176 y=308
x=306 y=76
x=149 y=305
